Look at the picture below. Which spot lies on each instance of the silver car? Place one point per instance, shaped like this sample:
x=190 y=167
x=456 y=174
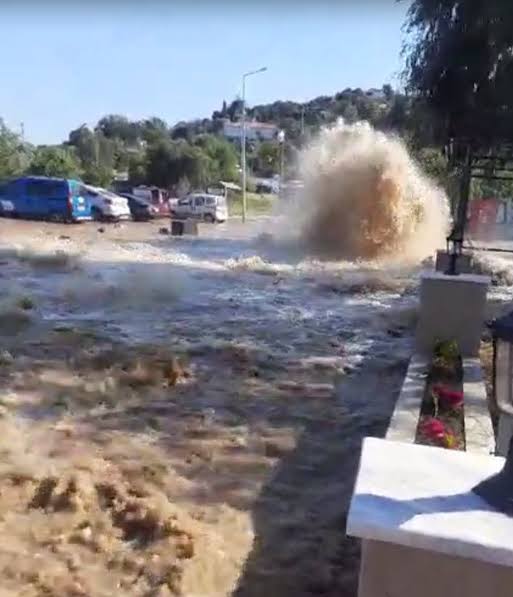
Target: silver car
x=202 y=206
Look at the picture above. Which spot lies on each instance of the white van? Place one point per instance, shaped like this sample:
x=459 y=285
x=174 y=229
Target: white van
x=106 y=205
x=203 y=206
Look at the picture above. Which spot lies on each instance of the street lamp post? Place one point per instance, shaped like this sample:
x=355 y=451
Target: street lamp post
x=243 y=136
x=281 y=141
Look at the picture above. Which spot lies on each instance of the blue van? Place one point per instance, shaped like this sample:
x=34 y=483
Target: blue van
x=40 y=197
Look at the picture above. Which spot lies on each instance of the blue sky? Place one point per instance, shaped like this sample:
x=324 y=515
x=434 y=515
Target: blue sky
x=63 y=66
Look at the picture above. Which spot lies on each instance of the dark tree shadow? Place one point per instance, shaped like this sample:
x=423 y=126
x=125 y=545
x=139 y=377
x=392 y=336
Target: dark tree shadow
x=300 y=514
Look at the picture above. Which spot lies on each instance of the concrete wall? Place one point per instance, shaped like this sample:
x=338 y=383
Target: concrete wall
x=451 y=308
x=396 y=571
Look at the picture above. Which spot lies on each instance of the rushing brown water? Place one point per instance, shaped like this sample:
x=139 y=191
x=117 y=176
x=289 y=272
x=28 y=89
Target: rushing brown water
x=366 y=198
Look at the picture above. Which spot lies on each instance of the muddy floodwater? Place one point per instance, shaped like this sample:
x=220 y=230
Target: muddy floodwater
x=183 y=416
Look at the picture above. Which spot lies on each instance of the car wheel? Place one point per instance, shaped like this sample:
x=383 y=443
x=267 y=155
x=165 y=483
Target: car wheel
x=209 y=218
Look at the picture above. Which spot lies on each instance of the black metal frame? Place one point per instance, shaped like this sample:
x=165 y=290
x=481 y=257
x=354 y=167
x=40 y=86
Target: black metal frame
x=497 y=490
x=498 y=161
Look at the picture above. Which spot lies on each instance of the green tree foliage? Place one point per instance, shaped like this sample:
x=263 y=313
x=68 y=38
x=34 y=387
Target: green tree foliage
x=268 y=158
x=434 y=164
x=115 y=126
x=84 y=142
x=14 y=154
x=153 y=130
x=195 y=154
x=55 y=161
x=137 y=174
x=388 y=92
x=460 y=60
x=100 y=176
x=98 y=155
x=170 y=161
x=222 y=157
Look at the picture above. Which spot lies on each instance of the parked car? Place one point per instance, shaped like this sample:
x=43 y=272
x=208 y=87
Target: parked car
x=140 y=209
x=42 y=197
x=159 y=198
x=210 y=208
x=106 y=205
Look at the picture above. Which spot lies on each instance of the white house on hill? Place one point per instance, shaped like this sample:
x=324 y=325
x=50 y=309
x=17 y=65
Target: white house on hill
x=255 y=131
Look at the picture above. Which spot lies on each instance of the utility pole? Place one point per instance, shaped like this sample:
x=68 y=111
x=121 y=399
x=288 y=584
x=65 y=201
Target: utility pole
x=243 y=137
x=302 y=121
x=22 y=132
x=281 y=141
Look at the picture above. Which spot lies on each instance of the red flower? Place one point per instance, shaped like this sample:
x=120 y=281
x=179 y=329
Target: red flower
x=447 y=397
x=433 y=428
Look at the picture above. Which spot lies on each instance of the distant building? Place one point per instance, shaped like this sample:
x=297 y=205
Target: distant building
x=255 y=131
x=375 y=93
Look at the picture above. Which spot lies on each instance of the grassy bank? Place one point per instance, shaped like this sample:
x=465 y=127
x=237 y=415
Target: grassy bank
x=257 y=205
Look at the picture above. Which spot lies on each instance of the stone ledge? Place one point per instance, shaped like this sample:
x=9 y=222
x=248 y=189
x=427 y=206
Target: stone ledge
x=405 y=418
x=479 y=435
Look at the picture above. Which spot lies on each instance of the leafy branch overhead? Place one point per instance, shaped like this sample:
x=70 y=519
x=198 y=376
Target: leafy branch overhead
x=460 y=60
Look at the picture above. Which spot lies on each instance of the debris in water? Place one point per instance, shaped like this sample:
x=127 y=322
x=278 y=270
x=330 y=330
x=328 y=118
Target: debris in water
x=25 y=303
x=6 y=358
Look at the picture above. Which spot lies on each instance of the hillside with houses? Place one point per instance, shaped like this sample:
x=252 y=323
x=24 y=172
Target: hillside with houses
x=200 y=152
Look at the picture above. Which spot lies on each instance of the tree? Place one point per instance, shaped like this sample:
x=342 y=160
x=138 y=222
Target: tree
x=182 y=130
x=350 y=113
x=460 y=60
x=268 y=158
x=153 y=129
x=388 y=92
x=434 y=164
x=14 y=154
x=234 y=110
x=115 y=126
x=83 y=140
x=170 y=161
x=54 y=161
x=367 y=109
x=99 y=176
x=397 y=117
x=137 y=165
x=222 y=157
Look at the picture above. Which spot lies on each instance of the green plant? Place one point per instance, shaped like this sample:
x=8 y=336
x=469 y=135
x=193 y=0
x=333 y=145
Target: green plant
x=447 y=350
x=25 y=303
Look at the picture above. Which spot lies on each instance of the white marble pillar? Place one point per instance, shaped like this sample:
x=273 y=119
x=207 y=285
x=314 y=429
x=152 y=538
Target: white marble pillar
x=424 y=532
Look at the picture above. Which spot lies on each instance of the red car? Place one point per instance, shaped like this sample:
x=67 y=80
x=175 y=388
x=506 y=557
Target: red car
x=158 y=198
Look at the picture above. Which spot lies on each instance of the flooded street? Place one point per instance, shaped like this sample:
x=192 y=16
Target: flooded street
x=184 y=415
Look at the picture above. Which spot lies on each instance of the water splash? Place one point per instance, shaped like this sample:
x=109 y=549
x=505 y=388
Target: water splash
x=365 y=197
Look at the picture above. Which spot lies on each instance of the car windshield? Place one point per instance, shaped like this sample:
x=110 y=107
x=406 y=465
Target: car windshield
x=211 y=201
x=107 y=194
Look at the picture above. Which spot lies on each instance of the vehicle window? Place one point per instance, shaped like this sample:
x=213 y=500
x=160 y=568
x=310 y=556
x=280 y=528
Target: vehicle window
x=33 y=189
x=210 y=201
x=184 y=202
x=45 y=188
x=155 y=195
x=199 y=201
x=3 y=188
